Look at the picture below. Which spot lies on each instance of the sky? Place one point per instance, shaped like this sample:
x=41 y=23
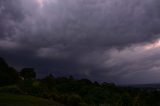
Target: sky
x=102 y=40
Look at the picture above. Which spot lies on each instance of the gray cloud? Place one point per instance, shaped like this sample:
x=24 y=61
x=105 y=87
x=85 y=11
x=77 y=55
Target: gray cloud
x=82 y=38
x=139 y=64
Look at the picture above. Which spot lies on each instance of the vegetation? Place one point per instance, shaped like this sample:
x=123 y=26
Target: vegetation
x=23 y=100
x=22 y=88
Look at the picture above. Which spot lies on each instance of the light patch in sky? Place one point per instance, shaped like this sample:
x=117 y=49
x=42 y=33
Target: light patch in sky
x=41 y=3
x=7 y=44
x=152 y=45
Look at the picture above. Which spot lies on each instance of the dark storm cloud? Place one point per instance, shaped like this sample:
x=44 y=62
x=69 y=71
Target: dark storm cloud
x=76 y=37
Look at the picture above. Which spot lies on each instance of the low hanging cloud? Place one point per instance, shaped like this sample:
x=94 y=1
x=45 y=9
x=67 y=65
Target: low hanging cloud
x=98 y=39
x=136 y=64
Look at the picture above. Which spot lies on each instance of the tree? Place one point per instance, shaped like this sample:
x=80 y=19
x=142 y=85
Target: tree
x=14 y=75
x=28 y=73
x=74 y=100
x=49 y=81
x=8 y=75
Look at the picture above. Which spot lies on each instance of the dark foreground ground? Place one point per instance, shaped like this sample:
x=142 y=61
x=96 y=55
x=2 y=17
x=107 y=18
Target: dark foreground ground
x=23 y=100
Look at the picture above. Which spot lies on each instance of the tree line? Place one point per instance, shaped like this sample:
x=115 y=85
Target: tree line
x=73 y=92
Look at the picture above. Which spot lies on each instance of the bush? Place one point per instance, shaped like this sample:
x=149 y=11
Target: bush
x=11 y=89
x=74 y=100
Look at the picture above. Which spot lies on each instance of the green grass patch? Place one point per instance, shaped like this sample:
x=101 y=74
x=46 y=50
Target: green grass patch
x=23 y=100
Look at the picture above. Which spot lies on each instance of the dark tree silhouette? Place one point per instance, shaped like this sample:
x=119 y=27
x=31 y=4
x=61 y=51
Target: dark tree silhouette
x=28 y=73
x=8 y=75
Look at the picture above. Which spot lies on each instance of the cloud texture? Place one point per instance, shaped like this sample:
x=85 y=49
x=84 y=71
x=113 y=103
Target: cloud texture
x=101 y=40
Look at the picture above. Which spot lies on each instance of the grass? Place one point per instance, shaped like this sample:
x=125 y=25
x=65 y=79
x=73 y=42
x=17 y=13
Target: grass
x=23 y=100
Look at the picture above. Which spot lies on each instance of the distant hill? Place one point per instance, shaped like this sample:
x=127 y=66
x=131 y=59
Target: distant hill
x=149 y=86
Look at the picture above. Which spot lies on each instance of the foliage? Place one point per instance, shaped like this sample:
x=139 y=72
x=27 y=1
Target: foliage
x=8 y=75
x=24 y=100
x=71 y=91
x=12 y=89
x=28 y=73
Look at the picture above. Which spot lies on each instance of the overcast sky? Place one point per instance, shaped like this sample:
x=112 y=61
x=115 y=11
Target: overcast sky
x=102 y=40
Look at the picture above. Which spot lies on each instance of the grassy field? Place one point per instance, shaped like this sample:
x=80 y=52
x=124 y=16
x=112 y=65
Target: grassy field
x=23 y=100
